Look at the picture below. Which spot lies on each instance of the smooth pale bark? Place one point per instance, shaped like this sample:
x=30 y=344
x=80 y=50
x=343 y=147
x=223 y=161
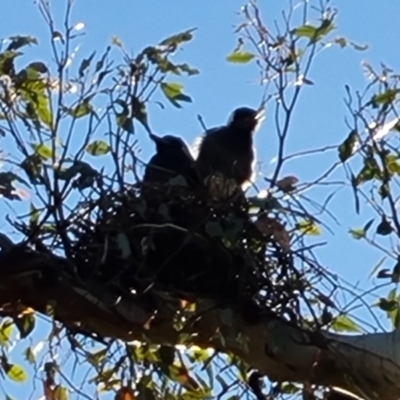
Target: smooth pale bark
x=368 y=365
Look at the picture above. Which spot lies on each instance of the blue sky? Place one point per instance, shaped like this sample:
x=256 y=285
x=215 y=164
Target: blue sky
x=220 y=87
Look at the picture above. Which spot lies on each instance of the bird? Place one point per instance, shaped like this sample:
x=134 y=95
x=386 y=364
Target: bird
x=227 y=153
x=172 y=158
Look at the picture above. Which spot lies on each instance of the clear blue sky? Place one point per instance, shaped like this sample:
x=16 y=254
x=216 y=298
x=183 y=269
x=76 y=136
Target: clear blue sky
x=319 y=118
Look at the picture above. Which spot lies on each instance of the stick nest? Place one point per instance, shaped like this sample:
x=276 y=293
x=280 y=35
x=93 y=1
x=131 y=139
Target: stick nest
x=168 y=238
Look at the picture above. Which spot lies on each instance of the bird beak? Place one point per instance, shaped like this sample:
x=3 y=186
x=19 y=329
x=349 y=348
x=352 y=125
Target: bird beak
x=154 y=138
x=260 y=116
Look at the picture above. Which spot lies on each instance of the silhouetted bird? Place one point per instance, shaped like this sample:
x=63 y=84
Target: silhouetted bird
x=227 y=152
x=172 y=158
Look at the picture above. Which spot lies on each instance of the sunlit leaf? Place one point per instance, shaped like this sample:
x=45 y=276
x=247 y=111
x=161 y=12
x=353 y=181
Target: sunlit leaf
x=309 y=228
x=33 y=90
x=392 y=164
x=60 y=393
x=96 y=358
x=44 y=151
x=7 y=62
x=179 y=38
x=15 y=372
x=315 y=33
x=240 y=57
x=29 y=355
x=82 y=109
x=343 y=323
x=357 y=233
x=174 y=93
x=98 y=148
x=369 y=171
x=6 y=330
x=385 y=98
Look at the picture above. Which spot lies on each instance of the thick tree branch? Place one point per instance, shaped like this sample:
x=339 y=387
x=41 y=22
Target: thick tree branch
x=368 y=365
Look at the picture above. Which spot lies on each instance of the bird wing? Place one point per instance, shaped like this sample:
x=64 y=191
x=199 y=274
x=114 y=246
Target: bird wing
x=195 y=149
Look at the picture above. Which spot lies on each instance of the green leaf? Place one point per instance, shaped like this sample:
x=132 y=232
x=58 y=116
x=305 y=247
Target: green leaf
x=369 y=171
x=384 y=98
x=174 y=93
x=6 y=329
x=98 y=148
x=315 y=33
x=179 y=38
x=20 y=41
x=43 y=151
x=392 y=164
x=308 y=31
x=240 y=57
x=309 y=228
x=60 y=393
x=81 y=109
x=29 y=355
x=347 y=148
x=7 y=62
x=343 y=323
x=15 y=373
x=33 y=91
x=357 y=233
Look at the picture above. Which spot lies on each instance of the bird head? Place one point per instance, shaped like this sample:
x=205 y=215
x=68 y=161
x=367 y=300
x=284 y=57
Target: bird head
x=245 y=118
x=170 y=143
